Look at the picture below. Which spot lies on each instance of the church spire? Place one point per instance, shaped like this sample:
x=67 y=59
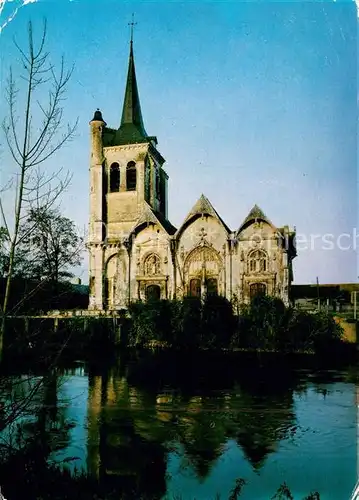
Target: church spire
x=131 y=129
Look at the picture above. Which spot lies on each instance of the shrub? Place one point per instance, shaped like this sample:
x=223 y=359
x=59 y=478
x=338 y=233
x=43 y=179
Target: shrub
x=262 y=324
x=218 y=322
x=183 y=323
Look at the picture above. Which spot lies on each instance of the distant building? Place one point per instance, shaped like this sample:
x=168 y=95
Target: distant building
x=337 y=295
x=76 y=281
x=135 y=252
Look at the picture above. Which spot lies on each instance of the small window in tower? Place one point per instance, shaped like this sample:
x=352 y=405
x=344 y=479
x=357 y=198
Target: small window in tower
x=131 y=176
x=114 y=177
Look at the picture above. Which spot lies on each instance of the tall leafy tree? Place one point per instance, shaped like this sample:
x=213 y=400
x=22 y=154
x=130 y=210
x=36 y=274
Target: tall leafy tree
x=53 y=243
x=19 y=264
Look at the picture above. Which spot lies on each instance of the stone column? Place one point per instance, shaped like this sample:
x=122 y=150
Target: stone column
x=99 y=270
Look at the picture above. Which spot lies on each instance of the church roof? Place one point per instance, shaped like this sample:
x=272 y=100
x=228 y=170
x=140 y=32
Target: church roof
x=255 y=214
x=165 y=223
x=204 y=207
x=131 y=130
x=150 y=216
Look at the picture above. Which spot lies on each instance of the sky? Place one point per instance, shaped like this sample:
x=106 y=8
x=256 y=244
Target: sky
x=251 y=102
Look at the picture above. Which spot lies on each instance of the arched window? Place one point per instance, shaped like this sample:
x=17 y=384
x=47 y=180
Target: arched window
x=131 y=176
x=114 y=178
x=257 y=262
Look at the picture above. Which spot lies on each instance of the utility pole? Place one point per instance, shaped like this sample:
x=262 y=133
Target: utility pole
x=318 y=294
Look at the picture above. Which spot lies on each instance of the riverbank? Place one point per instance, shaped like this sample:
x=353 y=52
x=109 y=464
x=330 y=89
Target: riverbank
x=264 y=326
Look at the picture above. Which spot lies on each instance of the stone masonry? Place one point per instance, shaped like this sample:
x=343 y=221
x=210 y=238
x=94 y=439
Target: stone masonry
x=136 y=253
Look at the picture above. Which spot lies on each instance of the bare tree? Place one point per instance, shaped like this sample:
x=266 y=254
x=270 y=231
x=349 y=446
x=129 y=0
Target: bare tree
x=32 y=141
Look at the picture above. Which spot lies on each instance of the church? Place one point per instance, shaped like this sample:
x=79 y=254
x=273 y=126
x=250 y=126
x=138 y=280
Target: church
x=136 y=253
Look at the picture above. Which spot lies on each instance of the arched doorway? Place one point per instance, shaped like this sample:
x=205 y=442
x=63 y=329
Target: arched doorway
x=153 y=292
x=212 y=286
x=257 y=289
x=203 y=264
x=195 y=288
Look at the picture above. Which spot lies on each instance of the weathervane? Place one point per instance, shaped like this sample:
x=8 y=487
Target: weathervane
x=132 y=24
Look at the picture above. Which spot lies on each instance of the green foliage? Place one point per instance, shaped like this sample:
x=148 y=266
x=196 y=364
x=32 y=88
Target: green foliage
x=54 y=244
x=37 y=340
x=48 y=247
x=218 y=322
x=184 y=324
x=313 y=331
x=267 y=324
x=263 y=324
x=147 y=323
x=188 y=332
x=19 y=266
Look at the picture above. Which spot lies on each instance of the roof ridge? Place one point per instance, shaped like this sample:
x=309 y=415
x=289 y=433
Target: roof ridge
x=148 y=214
x=202 y=206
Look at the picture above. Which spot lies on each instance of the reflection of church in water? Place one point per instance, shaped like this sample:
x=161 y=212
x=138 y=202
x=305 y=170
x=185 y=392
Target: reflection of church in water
x=135 y=252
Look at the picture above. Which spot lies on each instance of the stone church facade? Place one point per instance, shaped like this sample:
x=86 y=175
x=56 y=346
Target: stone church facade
x=136 y=253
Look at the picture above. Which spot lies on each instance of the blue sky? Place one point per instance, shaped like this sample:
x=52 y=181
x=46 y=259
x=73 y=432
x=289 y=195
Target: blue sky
x=251 y=102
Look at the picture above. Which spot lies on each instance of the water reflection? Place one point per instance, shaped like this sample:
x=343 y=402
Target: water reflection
x=153 y=425
x=125 y=444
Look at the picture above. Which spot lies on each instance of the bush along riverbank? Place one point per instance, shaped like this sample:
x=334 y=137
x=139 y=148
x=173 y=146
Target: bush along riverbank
x=266 y=324
x=73 y=339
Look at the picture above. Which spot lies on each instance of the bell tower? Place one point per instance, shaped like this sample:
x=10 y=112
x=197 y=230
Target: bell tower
x=133 y=166
x=126 y=178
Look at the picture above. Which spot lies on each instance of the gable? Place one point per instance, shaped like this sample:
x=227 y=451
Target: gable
x=151 y=217
x=203 y=230
x=202 y=208
x=262 y=228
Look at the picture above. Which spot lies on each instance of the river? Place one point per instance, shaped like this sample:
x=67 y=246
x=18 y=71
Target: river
x=189 y=426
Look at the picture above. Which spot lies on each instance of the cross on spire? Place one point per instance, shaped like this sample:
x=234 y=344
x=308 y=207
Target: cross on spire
x=131 y=130
x=132 y=24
